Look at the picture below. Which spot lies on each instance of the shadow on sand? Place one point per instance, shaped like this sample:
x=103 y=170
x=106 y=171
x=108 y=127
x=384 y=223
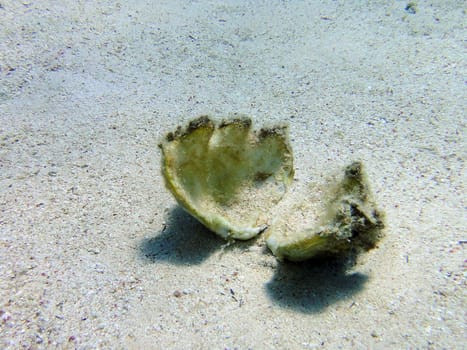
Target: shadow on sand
x=312 y=286
x=183 y=241
x=307 y=287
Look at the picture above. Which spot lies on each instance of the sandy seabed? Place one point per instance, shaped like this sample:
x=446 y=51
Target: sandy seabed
x=94 y=251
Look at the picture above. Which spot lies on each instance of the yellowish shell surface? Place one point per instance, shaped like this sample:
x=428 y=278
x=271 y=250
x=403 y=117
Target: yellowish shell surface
x=226 y=175
x=348 y=223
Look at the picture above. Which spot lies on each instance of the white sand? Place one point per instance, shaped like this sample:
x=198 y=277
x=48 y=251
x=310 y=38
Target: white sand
x=94 y=252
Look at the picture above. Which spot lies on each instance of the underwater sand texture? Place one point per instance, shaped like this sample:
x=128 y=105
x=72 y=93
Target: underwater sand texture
x=95 y=252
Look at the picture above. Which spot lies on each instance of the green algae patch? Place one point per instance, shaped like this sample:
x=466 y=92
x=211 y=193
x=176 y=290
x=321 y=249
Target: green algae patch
x=226 y=175
x=350 y=223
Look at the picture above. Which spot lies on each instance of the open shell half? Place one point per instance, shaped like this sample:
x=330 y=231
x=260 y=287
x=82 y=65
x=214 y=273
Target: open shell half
x=350 y=223
x=227 y=176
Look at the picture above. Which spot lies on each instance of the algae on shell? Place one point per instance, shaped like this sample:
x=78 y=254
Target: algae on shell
x=230 y=177
x=226 y=175
x=351 y=223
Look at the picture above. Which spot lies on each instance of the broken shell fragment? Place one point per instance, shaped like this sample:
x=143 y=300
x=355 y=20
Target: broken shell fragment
x=227 y=176
x=350 y=224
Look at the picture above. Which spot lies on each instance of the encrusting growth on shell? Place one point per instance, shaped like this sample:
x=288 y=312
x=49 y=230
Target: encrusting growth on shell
x=350 y=224
x=228 y=176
